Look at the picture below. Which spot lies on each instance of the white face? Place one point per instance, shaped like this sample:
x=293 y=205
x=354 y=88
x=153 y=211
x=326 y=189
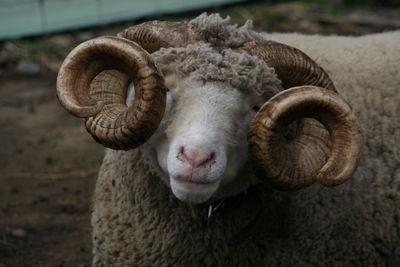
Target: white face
x=201 y=143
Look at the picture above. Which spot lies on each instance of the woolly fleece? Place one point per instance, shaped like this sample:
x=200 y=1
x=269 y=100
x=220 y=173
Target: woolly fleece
x=205 y=63
x=138 y=222
x=219 y=32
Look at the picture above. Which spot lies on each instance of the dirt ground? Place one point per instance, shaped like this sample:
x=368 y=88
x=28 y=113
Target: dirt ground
x=48 y=163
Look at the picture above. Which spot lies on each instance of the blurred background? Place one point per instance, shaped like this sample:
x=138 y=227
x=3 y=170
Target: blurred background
x=48 y=163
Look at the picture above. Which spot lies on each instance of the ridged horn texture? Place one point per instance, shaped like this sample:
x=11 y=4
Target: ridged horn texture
x=327 y=143
x=87 y=88
x=300 y=162
x=293 y=67
x=155 y=34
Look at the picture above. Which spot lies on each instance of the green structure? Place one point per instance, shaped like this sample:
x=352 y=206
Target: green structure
x=20 y=18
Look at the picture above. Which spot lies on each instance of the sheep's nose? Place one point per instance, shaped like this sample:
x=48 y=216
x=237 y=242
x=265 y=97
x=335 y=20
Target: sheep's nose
x=196 y=158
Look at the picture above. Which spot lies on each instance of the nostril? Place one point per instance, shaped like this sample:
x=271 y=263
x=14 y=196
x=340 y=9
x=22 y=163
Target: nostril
x=181 y=154
x=208 y=160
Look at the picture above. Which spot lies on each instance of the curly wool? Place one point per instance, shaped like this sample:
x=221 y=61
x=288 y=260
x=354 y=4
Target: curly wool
x=205 y=63
x=218 y=32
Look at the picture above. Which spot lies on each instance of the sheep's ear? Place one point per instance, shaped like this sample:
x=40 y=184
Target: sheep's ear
x=92 y=84
x=325 y=147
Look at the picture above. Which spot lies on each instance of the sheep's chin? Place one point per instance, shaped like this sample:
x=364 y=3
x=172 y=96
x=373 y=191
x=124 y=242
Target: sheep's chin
x=192 y=192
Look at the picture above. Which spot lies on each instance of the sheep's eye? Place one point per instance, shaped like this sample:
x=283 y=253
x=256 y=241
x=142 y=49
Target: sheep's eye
x=166 y=89
x=256 y=108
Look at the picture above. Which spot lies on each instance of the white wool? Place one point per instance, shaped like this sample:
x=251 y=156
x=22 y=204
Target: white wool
x=204 y=63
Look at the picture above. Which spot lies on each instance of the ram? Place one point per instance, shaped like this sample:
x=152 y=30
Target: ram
x=208 y=153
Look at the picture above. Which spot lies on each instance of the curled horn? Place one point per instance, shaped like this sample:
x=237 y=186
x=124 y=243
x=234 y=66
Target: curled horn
x=93 y=80
x=327 y=143
x=102 y=104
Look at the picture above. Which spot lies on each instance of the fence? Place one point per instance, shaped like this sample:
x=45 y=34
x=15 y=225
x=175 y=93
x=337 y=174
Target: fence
x=29 y=17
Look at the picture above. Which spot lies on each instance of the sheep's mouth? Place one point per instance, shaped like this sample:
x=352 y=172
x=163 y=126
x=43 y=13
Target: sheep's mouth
x=191 y=182
x=196 y=184
x=191 y=191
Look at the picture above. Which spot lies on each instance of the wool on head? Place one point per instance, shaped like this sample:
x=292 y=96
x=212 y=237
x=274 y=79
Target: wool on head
x=219 y=32
x=217 y=59
x=204 y=63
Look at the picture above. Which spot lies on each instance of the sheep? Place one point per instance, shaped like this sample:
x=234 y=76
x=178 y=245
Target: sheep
x=189 y=188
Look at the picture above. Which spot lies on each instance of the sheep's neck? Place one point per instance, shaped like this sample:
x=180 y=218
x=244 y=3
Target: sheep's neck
x=227 y=207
